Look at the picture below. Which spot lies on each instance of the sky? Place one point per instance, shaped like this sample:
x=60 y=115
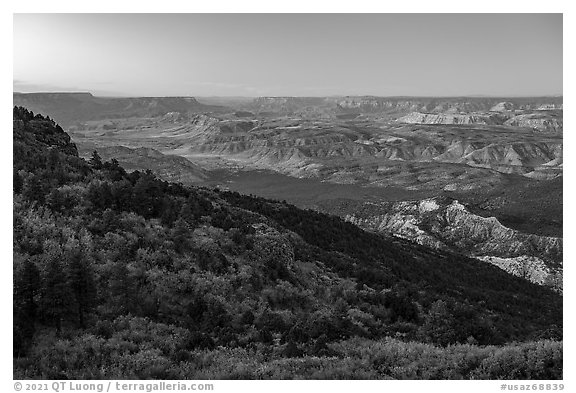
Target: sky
x=289 y=54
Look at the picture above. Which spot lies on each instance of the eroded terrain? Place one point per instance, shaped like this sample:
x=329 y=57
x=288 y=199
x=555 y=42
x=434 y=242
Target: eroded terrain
x=491 y=168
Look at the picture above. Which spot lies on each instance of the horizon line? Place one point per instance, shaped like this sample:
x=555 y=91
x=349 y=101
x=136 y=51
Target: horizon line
x=293 y=96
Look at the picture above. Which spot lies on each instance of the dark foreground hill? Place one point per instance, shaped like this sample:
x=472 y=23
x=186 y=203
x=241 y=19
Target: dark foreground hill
x=122 y=275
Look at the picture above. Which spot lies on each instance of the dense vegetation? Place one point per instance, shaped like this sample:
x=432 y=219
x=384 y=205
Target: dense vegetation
x=122 y=275
x=529 y=206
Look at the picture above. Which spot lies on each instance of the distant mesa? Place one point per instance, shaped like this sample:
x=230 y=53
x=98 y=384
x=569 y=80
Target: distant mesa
x=68 y=108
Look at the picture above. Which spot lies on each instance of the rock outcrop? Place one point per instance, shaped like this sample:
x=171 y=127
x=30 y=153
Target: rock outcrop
x=538 y=122
x=446 y=118
x=446 y=224
x=449 y=105
x=503 y=106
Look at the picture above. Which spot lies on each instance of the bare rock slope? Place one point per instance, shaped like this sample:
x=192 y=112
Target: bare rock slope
x=446 y=224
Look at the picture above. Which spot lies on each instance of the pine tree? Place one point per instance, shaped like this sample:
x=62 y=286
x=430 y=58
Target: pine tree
x=187 y=214
x=95 y=161
x=56 y=296
x=35 y=188
x=17 y=182
x=180 y=235
x=81 y=283
x=121 y=289
x=147 y=196
x=169 y=211
x=26 y=288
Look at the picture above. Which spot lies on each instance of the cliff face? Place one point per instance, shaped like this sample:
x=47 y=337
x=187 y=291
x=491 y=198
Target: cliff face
x=371 y=105
x=329 y=106
x=445 y=118
x=447 y=225
x=553 y=104
x=445 y=105
x=543 y=122
x=540 y=123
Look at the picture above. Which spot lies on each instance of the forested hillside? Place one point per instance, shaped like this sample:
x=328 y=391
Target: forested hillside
x=122 y=275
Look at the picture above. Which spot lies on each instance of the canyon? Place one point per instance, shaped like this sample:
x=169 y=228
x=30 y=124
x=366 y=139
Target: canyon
x=410 y=167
